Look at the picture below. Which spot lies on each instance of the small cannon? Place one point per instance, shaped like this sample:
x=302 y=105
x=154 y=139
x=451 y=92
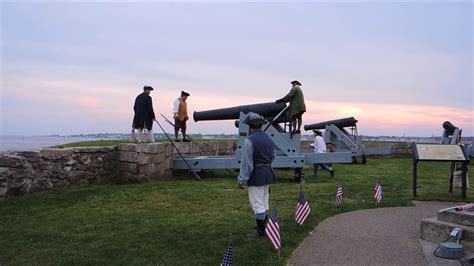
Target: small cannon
x=288 y=146
x=451 y=134
x=336 y=133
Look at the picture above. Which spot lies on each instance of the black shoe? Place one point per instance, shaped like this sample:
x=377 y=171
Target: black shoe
x=260 y=230
x=186 y=140
x=297 y=131
x=332 y=173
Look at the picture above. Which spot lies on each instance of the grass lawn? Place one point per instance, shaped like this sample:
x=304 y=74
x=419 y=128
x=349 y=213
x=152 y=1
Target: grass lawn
x=184 y=222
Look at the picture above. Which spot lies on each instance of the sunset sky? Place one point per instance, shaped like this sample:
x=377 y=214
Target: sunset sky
x=398 y=68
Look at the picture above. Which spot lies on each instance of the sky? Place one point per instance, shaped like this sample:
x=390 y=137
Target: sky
x=400 y=68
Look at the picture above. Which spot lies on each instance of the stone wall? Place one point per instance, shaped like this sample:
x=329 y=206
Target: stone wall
x=30 y=171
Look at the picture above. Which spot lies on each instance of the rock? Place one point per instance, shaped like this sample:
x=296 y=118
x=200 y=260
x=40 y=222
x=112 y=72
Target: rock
x=54 y=154
x=30 y=156
x=128 y=156
x=149 y=147
x=71 y=162
x=127 y=147
x=67 y=169
x=146 y=169
x=4 y=174
x=11 y=161
x=145 y=158
x=128 y=167
x=40 y=184
x=3 y=192
x=94 y=150
x=22 y=173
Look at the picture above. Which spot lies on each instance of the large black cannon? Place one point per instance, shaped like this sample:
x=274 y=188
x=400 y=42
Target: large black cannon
x=267 y=110
x=340 y=123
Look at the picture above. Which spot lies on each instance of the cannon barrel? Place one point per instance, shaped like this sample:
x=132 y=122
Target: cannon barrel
x=449 y=127
x=266 y=110
x=340 y=123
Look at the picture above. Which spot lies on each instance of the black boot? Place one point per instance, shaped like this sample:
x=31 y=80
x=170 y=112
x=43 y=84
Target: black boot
x=260 y=229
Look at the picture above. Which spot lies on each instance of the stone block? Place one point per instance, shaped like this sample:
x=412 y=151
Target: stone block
x=11 y=161
x=158 y=158
x=145 y=158
x=54 y=154
x=3 y=192
x=30 y=156
x=79 y=176
x=148 y=147
x=146 y=169
x=127 y=147
x=40 y=184
x=94 y=150
x=128 y=167
x=22 y=173
x=71 y=162
x=128 y=156
x=4 y=174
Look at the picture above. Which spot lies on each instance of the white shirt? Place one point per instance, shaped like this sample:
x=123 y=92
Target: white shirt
x=175 y=106
x=319 y=145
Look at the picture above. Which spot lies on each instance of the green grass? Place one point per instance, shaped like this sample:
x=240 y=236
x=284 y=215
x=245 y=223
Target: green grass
x=184 y=222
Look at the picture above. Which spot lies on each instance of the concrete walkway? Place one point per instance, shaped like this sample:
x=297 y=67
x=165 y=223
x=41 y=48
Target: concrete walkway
x=385 y=236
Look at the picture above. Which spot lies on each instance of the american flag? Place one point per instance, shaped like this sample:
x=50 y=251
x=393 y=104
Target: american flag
x=272 y=230
x=467 y=207
x=339 y=193
x=227 y=260
x=132 y=137
x=145 y=135
x=302 y=209
x=378 y=192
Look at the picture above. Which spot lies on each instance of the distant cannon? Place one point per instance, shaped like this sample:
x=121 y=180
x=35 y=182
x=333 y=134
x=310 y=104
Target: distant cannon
x=335 y=132
x=451 y=134
x=266 y=110
x=340 y=123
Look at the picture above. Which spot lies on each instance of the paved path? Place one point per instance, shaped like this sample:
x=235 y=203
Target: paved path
x=385 y=236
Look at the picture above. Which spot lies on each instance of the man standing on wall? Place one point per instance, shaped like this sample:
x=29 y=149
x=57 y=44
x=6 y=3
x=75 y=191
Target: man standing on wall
x=180 y=114
x=297 y=106
x=256 y=170
x=144 y=115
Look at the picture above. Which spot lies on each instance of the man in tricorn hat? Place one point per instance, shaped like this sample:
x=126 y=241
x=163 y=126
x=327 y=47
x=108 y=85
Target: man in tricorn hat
x=297 y=106
x=144 y=114
x=180 y=114
x=256 y=170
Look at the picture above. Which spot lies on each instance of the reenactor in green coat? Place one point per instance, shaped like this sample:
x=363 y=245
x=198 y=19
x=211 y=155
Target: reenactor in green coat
x=297 y=106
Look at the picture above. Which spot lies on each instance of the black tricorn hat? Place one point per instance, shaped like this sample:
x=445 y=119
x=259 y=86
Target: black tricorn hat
x=295 y=82
x=147 y=88
x=183 y=93
x=254 y=119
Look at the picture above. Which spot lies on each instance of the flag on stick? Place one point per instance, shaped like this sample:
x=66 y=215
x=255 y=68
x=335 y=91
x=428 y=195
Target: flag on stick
x=132 y=137
x=339 y=193
x=378 y=192
x=302 y=209
x=228 y=260
x=272 y=230
x=145 y=135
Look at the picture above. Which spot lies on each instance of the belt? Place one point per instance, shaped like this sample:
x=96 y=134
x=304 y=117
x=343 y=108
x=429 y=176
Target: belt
x=258 y=165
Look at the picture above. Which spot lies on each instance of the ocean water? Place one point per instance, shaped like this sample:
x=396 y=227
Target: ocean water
x=16 y=143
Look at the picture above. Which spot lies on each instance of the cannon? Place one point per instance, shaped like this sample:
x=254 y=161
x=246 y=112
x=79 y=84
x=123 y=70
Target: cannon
x=336 y=133
x=288 y=145
x=451 y=134
x=266 y=110
x=340 y=123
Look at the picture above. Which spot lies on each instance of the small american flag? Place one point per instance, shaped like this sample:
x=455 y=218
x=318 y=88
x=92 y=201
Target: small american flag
x=378 y=192
x=339 y=193
x=145 y=135
x=132 y=137
x=467 y=207
x=272 y=230
x=302 y=209
x=227 y=260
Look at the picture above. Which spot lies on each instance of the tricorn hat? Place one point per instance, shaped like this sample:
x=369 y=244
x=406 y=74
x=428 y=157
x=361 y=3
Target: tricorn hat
x=183 y=93
x=147 y=88
x=317 y=132
x=295 y=82
x=254 y=119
